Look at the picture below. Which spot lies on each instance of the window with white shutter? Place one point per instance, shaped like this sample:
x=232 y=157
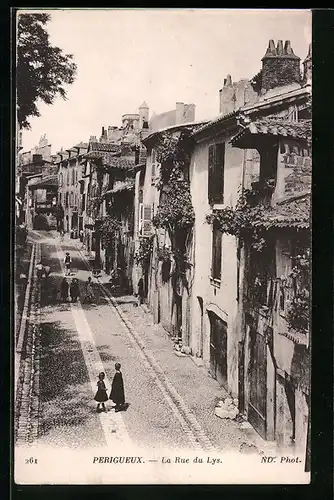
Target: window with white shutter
x=147 y=221
x=140 y=217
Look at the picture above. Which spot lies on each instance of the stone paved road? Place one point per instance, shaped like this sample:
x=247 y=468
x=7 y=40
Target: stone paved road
x=78 y=340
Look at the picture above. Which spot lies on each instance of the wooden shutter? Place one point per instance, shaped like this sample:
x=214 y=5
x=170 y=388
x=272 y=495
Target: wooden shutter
x=216 y=254
x=219 y=173
x=140 y=216
x=147 y=221
x=211 y=163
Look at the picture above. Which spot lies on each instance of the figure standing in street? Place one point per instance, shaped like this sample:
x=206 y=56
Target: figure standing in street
x=117 y=389
x=61 y=235
x=74 y=290
x=89 y=295
x=101 y=395
x=64 y=290
x=141 y=294
x=67 y=262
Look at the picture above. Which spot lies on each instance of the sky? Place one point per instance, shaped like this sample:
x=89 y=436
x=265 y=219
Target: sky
x=161 y=56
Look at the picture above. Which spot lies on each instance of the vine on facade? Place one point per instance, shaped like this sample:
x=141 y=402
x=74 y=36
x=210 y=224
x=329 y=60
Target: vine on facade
x=144 y=253
x=109 y=229
x=298 y=309
x=246 y=218
x=95 y=204
x=175 y=212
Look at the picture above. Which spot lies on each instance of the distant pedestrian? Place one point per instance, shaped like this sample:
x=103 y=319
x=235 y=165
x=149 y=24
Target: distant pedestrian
x=74 y=290
x=61 y=235
x=67 y=262
x=141 y=294
x=101 y=395
x=89 y=294
x=64 y=290
x=117 y=389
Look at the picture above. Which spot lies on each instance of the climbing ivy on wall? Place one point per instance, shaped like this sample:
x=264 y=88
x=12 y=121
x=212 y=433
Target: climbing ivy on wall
x=175 y=212
x=246 y=218
x=109 y=229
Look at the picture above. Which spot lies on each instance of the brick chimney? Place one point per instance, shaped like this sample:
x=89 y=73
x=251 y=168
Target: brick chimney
x=179 y=113
x=307 y=63
x=226 y=103
x=235 y=95
x=280 y=66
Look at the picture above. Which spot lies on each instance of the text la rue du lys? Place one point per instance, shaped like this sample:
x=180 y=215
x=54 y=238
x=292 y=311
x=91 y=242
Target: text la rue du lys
x=196 y=460
x=163 y=460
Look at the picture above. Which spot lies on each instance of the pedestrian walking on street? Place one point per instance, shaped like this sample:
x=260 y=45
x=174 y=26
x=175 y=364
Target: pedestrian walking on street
x=61 y=235
x=64 y=290
x=117 y=389
x=89 y=294
x=67 y=262
x=101 y=395
x=74 y=290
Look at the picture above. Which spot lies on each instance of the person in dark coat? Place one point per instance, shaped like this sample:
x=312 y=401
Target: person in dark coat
x=117 y=389
x=141 y=294
x=74 y=290
x=101 y=395
x=64 y=290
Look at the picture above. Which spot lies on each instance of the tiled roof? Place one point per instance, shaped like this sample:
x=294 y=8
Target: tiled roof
x=120 y=162
x=50 y=180
x=274 y=126
x=191 y=126
x=263 y=102
x=103 y=146
x=294 y=212
x=81 y=145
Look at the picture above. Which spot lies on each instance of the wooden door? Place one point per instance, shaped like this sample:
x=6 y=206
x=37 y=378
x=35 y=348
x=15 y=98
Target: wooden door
x=218 y=349
x=257 y=408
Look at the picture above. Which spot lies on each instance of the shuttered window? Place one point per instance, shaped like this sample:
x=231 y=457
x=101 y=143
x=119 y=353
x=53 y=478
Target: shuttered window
x=140 y=216
x=153 y=166
x=216 y=164
x=216 y=263
x=147 y=221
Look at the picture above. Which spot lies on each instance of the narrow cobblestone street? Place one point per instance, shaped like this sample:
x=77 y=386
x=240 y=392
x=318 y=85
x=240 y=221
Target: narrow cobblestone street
x=171 y=400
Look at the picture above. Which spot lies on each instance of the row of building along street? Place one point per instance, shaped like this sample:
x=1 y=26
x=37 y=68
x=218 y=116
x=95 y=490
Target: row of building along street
x=205 y=228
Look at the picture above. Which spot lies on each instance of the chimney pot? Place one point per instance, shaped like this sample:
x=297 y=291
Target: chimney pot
x=279 y=66
x=279 y=49
x=287 y=48
x=228 y=81
x=309 y=54
x=271 y=51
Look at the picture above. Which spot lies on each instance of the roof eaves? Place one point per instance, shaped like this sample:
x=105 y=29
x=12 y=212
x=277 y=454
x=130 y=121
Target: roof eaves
x=172 y=128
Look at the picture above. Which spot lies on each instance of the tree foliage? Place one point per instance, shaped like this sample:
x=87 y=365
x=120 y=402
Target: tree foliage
x=42 y=69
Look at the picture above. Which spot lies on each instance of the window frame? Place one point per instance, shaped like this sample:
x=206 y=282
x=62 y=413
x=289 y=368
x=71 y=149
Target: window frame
x=216 y=172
